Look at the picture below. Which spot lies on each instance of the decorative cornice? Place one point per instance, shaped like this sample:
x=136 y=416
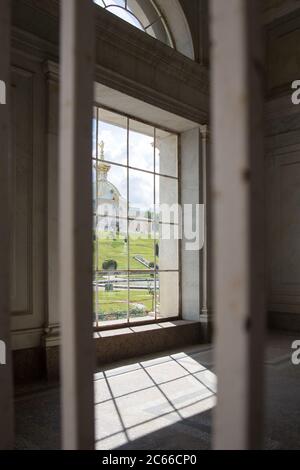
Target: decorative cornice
x=129 y=40
x=124 y=37
x=160 y=99
x=148 y=69
x=32 y=46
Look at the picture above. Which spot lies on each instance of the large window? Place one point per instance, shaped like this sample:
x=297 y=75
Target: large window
x=143 y=14
x=136 y=220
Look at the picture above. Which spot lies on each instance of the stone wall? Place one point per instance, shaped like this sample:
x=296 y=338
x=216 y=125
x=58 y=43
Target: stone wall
x=283 y=170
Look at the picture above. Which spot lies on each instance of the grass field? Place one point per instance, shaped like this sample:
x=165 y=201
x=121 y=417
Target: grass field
x=113 y=305
x=116 y=301
x=108 y=248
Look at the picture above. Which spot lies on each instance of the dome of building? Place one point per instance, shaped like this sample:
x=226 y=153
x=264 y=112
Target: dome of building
x=106 y=191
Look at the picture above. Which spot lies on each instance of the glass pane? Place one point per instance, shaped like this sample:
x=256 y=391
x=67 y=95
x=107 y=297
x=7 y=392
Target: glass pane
x=141 y=146
x=100 y=3
x=167 y=295
x=110 y=190
x=112 y=137
x=120 y=3
x=126 y=16
x=157 y=30
x=110 y=244
x=141 y=296
x=140 y=13
x=141 y=194
x=105 y=3
x=167 y=249
x=166 y=199
x=141 y=246
x=111 y=297
x=166 y=153
x=143 y=243
x=143 y=10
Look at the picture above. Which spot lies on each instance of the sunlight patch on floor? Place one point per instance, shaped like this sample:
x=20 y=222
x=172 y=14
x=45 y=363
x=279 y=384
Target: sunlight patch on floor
x=141 y=398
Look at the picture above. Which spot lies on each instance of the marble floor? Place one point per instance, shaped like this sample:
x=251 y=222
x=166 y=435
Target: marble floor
x=164 y=401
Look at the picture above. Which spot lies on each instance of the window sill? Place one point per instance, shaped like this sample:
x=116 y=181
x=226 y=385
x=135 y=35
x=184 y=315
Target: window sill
x=131 y=341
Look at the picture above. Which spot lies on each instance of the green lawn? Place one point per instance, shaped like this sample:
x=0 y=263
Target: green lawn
x=113 y=305
x=117 y=300
x=117 y=249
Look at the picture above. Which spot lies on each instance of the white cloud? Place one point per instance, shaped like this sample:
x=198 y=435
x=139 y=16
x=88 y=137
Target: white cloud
x=141 y=155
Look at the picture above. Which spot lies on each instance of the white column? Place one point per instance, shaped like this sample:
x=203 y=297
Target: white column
x=238 y=225
x=6 y=392
x=75 y=222
x=190 y=143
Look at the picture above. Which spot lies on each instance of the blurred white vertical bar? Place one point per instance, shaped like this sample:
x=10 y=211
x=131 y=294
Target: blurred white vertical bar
x=6 y=389
x=95 y=231
x=238 y=223
x=76 y=222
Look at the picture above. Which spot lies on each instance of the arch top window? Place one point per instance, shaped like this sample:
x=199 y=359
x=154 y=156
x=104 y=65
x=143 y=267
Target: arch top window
x=143 y=14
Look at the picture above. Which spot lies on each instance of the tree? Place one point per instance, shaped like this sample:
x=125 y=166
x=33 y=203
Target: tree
x=109 y=265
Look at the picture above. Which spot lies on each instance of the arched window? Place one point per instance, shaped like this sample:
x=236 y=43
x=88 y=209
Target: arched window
x=143 y=14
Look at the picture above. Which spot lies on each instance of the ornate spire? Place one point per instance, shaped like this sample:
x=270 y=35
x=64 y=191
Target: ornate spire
x=102 y=168
x=101 y=149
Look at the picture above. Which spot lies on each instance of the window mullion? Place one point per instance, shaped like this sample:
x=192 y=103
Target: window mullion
x=128 y=237
x=154 y=220
x=97 y=220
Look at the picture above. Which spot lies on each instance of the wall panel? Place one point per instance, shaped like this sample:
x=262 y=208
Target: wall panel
x=22 y=171
x=28 y=185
